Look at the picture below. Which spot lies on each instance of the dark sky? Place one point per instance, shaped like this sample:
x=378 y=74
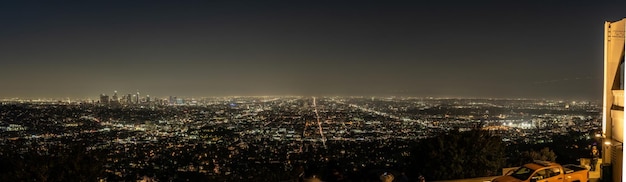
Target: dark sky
x=531 y=49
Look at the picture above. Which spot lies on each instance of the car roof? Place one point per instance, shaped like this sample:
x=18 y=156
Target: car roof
x=540 y=164
x=533 y=166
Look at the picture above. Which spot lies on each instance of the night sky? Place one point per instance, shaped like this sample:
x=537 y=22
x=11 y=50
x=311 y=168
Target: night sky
x=511 y=49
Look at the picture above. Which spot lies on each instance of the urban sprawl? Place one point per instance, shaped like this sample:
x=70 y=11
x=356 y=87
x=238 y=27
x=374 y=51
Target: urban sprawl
x=243 y=138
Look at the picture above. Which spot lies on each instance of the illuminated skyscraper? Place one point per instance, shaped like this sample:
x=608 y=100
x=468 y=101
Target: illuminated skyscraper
x=115 y=99
x=104 y=99
x=613 y=111
x=137 y=97
x=129 y=99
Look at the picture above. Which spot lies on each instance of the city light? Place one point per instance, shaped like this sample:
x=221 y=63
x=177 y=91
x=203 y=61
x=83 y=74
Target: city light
x=312 y=91
x=266 y=131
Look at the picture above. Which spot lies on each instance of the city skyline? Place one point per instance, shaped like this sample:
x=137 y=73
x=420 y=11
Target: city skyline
x=203 y=49
x=123 y=97
x=273 y=139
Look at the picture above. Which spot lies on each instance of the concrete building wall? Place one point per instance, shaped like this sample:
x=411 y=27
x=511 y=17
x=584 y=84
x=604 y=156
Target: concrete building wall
x=613 y=99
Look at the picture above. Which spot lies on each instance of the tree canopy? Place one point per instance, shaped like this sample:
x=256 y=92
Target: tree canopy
x=457 y=155
x=71 y=164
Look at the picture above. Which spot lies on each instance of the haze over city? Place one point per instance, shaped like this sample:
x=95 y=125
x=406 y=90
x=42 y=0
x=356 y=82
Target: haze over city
x=306 y=91
x=457 y=48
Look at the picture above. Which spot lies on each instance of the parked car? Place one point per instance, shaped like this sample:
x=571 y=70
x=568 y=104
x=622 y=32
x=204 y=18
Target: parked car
x=544 y=171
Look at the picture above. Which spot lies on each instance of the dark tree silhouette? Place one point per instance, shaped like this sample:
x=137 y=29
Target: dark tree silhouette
x=73 y=164
x=457 y=155
x=544 y=154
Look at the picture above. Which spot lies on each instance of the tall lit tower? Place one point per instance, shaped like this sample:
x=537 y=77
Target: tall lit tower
x=129 y=99
x=137 y=97
x=104 y=99
x=613 y=101
x=115 y=99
